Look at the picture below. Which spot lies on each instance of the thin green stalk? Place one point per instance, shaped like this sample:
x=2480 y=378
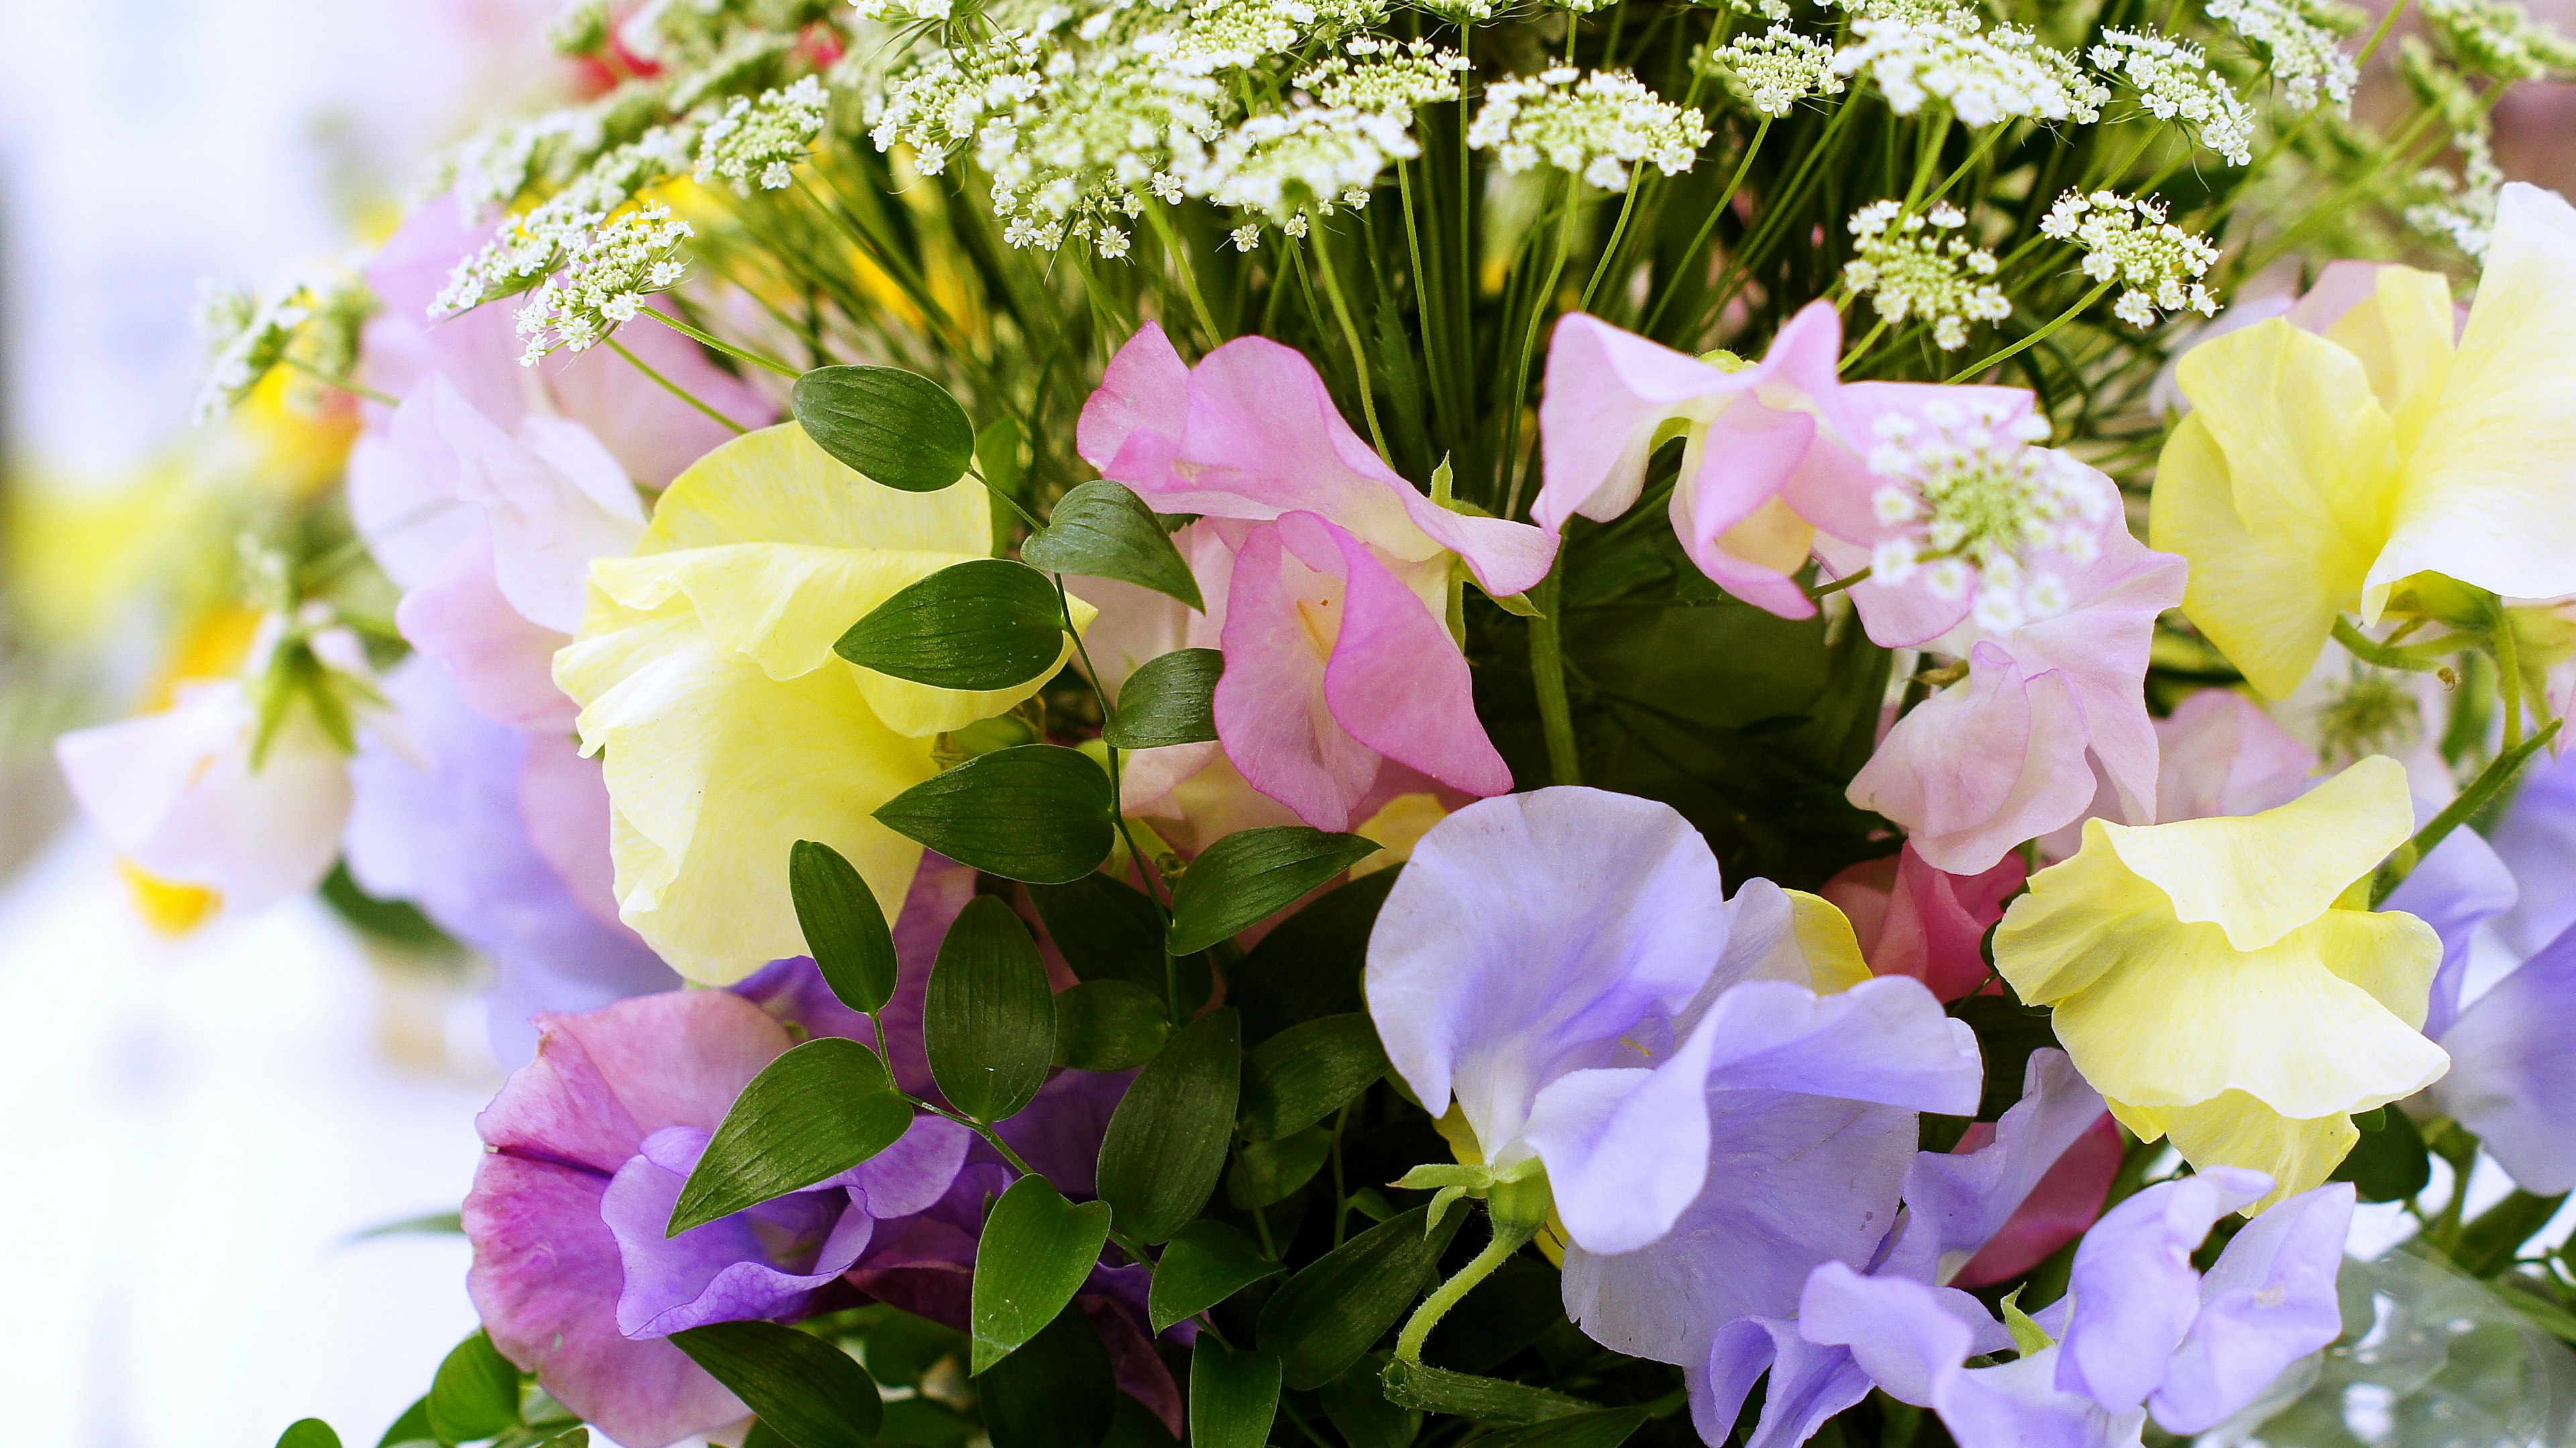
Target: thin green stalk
x=1777 y=213
x=1509 y=1237
x=1189 y=276
x=2416 y=659
x=354 y=389
x=1861 y=346
x=1145 y=869
x=1926 y=156
x=1350 y=337
x=1513 y=405
x=1617 y=231
x=675 y=389
x=1709 y=226
x=2508 y=655
x=727 y=348
x=1975 y=154
x=1434 y=374
x=1547 y=673
x=2034 y=338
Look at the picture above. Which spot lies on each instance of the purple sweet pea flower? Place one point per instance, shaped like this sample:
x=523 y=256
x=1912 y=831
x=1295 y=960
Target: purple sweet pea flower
x=2537 y=841
x=442 y=814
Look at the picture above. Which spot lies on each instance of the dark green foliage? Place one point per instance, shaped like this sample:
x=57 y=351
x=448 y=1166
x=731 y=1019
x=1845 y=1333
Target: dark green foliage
x=1039 y=812
x=805 y=1390
x=1166 y=1142
x=894 y=427
x=988 y=1017
x=1101 y=529
x=844 y=927
x=1055 y=1392
x=987 y=623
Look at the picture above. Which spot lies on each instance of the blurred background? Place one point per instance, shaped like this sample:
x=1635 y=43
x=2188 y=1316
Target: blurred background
x=204 y=1118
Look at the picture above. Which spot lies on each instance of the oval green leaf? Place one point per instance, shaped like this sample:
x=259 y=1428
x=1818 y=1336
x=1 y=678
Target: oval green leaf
x=1108 y=1025
x=989 y=1019
x=1101 y=529
x=1270 y=1171
x=475 y=1394
x=807 y=1390
x=844 y=926
x=1037 y=1251
x=1309 y=964
x=1166 y=1141
x=2389 y=1163
x=1039 y=812
x=817 y=1111
x=1234 y=1395
x=1170 y=699
x=1106 y=929
x=1206 y=1263
x=1251 y=873
x=308 y=1433
x=987 y=623
x=1057 y=1392
x=895 y=427
x=1326 y=1316
x=1305 y=1073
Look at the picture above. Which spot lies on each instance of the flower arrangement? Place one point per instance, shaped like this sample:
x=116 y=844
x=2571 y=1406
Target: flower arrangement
x=1383 y=723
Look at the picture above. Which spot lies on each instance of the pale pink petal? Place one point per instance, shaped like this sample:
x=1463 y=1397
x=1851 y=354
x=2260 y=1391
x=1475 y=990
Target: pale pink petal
x=1606 y=393
x=1131 y=428
x=502 y=664
x=478 y=351
x=401 y=500
x=1271 y=711
x=551 y=512
x=1983 y=765
x=1749 y=452
x=2219 y=753
x=2342 y=286
x=564 y=798
x=653 y=433
x=2100 y=645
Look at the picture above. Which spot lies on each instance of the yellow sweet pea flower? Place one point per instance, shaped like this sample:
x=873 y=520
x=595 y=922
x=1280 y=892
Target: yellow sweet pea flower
x=705 y=671
x=2314 y=473
x=2209 y=981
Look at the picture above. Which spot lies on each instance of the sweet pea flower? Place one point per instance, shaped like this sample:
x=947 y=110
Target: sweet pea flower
x=589 y=1145
x=705 y=671
x=1326 y=574
x=458 y=819
x=2139 y=1332
x=2536 y=839
x=1913 y=919
x=2204 y=978
x=2314 y=473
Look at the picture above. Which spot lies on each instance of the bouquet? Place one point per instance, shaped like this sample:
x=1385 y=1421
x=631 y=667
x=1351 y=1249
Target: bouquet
x=1358 y=723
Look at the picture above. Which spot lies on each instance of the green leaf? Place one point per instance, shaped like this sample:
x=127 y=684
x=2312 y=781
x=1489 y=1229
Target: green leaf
x=895 y=427
x=987 y=623
x=575 y=1437
x=1057 y=1392
x=1108 y=1025
x=1101 y=529
x=988 y=1018
x=816 y=1111
x=1326 y=1316
x=1304 y=1074
x=2029 y=1338
x=1038 y=813
x=1268 y=1171
x=1170 y=699
x=1037 y=1250
x=2492 y=1237
x=807 y=1390
x=2388 y=1164
x=844 y=926
x=1606 y=1428
x=1249 y=874
x=1234 y=1395
x=432 y=1224
x=1166 y=1141
x=1488 y=1400
x=411 y=1427
x=1206 y=1263
x=308 y=1433
x=1309 y=964
x=475 y=1394
x=1357 y=1405
x=1107 y=929
x=997 y=456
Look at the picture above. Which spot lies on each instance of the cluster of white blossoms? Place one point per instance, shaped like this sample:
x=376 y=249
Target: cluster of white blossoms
x=2174 y=81
x=2303 y=40
x=1916 y=264
x=248 y=338
x=1774 y=71
x=622 y=260
x=2128 y=240
x=1288 y=164
x=2499 y=38
x=1971 y=499
x=1916 y=54
x=760 y=142
x=1592 y=126
x=2461 y=208
x=538 y=242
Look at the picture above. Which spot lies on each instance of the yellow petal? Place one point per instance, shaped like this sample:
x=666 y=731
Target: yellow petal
x=2402 y=337
x=1398 y=826
x=2259 y=877
x=776 y=486
x=1825 y=938
x=2276 y=488
x=2236 y=1130
x=2489 y=495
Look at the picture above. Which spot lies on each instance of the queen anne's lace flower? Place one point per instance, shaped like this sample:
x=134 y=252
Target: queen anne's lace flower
x=533 y=246
x=2127 y=239
x=1916 y=264
x=2174 y=81
x=1972 y=499
x=604 y=281
x=1775 y=70
x=247 y=338
x=2461 y=208
x=1594 y=127
x=1985 y=77
x=1284 y=164
x=2303 y=41
x=760 y=142
x=2499 y=38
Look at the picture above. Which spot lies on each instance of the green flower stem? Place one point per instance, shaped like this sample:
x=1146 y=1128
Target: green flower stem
x=1838 y=585
x=1618 y=231
x=675 y=389
x=727 y=348
x=1861 y=346
x=1975 y=154
x=354 y=389
x=1927 y=155
x=2418 y=659
x=1709 y=227
x=1547 y=672
x=2509 y=681
x=2035 y=338
x=1516 y=401
x=1350 y=337
x=1509 y=1237
x=1180 y=256
x=1145 y=868
x=2492 y=781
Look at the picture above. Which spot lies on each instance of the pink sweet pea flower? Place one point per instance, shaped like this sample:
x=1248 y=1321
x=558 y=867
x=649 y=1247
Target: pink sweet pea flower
x=1913 y=919
x=1326 y=575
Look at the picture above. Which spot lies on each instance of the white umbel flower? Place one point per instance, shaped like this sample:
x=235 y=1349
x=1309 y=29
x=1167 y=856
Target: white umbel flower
x=1915 y=55
x=2174 y=82
x=2499 y=38
x=758 y=143
x=2303 y=40
x=1980 y=511
x=1774 y=71
x=1917 y=265
x=603 y=283
x=2127 y=240
x=1593 y=126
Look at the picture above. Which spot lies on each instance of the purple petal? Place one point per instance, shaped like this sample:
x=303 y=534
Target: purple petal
x=2455 y=889
x=2536 y=839
x=2133 y=1288
x=1626 y=1148
x=1907 y=1335
x=1956 y=1204
x=604 y=1081
x=1885 y=1041
x=2267 y=1302
x=2513 y=1069
x=911 y=1174
x=764 y=1262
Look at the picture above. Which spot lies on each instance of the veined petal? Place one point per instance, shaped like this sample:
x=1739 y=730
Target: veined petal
x=1983 y=765
x=2278 y=489
x=2401 y=333
x=2486 y=494
x=2268 y=1301
x=2236 y=1129
x=2133 y=1288
x=1626 y=1148
x=1607 y=394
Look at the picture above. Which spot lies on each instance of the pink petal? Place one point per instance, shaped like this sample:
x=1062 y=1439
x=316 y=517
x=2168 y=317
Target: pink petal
x=2220 y=754
x=605 y=1080
x=2342 y=286
x=1749 y=452
x=502 y=664
x=1605 y=394
x=1396 y=680
x=1915 y=920
x=564 y=798
x=1983 y=765
x=1131 y=427
x=477 y=351
x=2100 y=645
x=1271 y=711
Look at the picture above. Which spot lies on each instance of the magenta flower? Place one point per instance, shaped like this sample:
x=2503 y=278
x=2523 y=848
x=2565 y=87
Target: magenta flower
x=1329 y=590
x=1912 y=919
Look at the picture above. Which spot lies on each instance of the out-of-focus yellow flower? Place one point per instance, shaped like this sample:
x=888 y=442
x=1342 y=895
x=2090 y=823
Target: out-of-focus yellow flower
x=2316 y=473
x=2210 y=980
x=705 y=671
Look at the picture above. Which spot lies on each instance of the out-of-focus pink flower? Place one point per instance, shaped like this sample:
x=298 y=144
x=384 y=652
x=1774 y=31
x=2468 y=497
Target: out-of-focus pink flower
x=1326 y=577
x=2002 y=756
x=1913 y=919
